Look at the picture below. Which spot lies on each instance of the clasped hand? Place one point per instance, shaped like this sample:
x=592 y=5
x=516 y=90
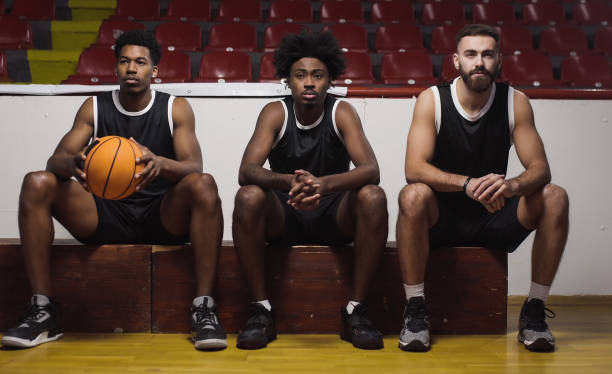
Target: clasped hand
x=491 y=191
x=306 y=191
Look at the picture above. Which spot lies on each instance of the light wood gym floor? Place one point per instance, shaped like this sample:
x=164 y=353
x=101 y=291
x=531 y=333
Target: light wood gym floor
x=583 y=329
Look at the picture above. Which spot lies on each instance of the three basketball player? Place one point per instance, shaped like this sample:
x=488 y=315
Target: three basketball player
x=458 y=194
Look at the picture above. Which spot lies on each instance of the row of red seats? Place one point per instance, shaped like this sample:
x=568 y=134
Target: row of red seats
x=440 y=12
x=97 y=66
x=559 y=40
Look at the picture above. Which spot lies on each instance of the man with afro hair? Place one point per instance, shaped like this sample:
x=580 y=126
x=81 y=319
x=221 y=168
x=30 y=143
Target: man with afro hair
x=309 y=195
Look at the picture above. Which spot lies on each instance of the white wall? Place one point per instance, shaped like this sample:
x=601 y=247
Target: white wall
x=576 y=135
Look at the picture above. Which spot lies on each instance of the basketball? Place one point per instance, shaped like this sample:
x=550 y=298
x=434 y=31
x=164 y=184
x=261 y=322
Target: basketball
x=110 y=167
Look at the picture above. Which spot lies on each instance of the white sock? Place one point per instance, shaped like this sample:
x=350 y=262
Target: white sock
x=538 y=291
x=414 y=290
x=265 y=303
x=40 y=299
x=351 y=306
x=201 y=299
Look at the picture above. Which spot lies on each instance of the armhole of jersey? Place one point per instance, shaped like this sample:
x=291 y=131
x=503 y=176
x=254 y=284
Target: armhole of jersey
x=511 y=113
x=438 y=107
x=95 y=118
x=282 y=131
x=170 y=122
x=334 y=121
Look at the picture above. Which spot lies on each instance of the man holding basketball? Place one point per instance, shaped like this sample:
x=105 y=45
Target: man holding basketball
x=309 y=196
x=174 y=201
x=458 y=193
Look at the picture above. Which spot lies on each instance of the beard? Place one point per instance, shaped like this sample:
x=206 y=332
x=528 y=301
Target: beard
x=478 y=83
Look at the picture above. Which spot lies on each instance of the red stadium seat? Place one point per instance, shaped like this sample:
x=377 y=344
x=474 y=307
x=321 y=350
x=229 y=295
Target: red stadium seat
x=267 y=70
x=4 y=69
x=398 y=38
x=530 y=69
x=443 y=39
x=239 y=11
x=179 y=36
x=223 y=67
x=96 y=66
x=407 y=68
x=130 y=10
x=274 y=34
x=543 y=14
x=351 y=37
x=514 y=39
x=174 y=67
x=589 y=70
x=493 y=14
x=232 y=37
x=33 y=9
x=290 y=11
x=341 y=11
x=188 y=11
x=592 y=14
x=442 y=13
x=110 y=30
x=15 y=34
x=448 y=71
x=603 y=41
x=392 y=12
x=563 y=40
x=358 y=69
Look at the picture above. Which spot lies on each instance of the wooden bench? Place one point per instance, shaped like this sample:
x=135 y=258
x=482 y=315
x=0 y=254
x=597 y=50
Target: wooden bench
x=145 y=288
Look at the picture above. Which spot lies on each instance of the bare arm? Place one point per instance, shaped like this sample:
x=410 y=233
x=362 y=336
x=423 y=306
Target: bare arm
x=186 y=148
x=251 y=171
x=65 y=162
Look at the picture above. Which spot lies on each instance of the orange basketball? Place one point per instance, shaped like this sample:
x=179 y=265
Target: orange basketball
x=110 y=167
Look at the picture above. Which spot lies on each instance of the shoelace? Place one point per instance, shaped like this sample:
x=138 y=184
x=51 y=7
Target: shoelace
x=257 y=316
x=205 y=315
x=33 y=313
x=537 y=321
x=361 y=314
x=418 y=313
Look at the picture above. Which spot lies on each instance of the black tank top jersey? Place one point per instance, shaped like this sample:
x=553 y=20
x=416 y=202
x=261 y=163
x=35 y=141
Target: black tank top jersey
x=316 y=148
x=150 y=127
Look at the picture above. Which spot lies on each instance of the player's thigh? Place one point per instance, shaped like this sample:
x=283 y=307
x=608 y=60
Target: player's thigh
x=275 y=212
x=75 y=208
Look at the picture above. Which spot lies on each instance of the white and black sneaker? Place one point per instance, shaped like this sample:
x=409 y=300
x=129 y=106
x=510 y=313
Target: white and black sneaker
x=40 y=323
x=414 y=336
x=206 y=331
x=533 y=330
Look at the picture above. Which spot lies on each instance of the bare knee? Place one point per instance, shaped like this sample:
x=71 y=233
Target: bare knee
x=414 y=200
x=202 y=190
x=372 y=198
x=38 y=186
x=249 y=199
x=555 y=201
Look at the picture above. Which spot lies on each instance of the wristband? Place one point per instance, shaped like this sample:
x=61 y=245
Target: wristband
x=467 y=181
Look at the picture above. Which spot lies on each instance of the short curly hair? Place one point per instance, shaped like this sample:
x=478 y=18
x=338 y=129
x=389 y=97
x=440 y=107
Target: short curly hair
x=322 y=46
x=141 y=38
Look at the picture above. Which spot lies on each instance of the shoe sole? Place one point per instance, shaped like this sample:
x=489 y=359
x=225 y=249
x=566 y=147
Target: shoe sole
x=414 y=346
x=211 y=344
x=43 y=337
x=348 y=338
x=539 y=345
x=249 y=346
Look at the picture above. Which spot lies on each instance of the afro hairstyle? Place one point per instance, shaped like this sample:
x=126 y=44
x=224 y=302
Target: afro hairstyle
x=322 y=46
x=141 y=38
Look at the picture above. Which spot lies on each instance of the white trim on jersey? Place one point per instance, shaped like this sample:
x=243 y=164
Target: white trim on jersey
x=170 y=122
x=511 y=113
x=282 y=131
x=334 y=121
x=463 y=113
x=95 y=114
x=122 y=110
x=309 y=127
x=438 y=108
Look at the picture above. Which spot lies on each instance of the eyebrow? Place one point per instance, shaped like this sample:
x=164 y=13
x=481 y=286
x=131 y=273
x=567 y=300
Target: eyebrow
x=473 y=50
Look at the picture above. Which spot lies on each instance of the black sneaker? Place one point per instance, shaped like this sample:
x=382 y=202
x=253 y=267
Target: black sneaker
x=414 y=336
x=259 y=330
x=206 y=332
x=359 y=330
x=38 y=324
x=533 y=330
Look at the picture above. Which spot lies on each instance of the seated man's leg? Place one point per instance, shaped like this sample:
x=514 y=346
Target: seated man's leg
x=193 y=207
x=363 y=216
x=547 y=211
x=42 y=197
x=418 y=212
x=258 y=215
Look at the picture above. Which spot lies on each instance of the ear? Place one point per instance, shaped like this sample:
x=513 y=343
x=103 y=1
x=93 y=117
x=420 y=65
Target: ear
x=155 y=71
x=456 y=60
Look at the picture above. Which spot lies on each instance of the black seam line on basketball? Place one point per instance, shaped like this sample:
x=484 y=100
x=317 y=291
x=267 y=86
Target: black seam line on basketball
x=133 y=171
x=111 y=169
x=92 y=156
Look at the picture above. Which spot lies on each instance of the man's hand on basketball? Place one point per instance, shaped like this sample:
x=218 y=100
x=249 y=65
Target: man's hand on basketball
x=153 y=166
x=485 y=190
x=305 y=193
x=77 y=167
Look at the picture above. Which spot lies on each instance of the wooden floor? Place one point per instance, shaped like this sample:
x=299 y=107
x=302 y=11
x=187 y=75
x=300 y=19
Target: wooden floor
x=583 y=333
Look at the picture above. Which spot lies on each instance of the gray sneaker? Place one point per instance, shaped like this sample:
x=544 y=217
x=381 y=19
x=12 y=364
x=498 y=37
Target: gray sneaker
x=533 y=330
x=415 y=332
